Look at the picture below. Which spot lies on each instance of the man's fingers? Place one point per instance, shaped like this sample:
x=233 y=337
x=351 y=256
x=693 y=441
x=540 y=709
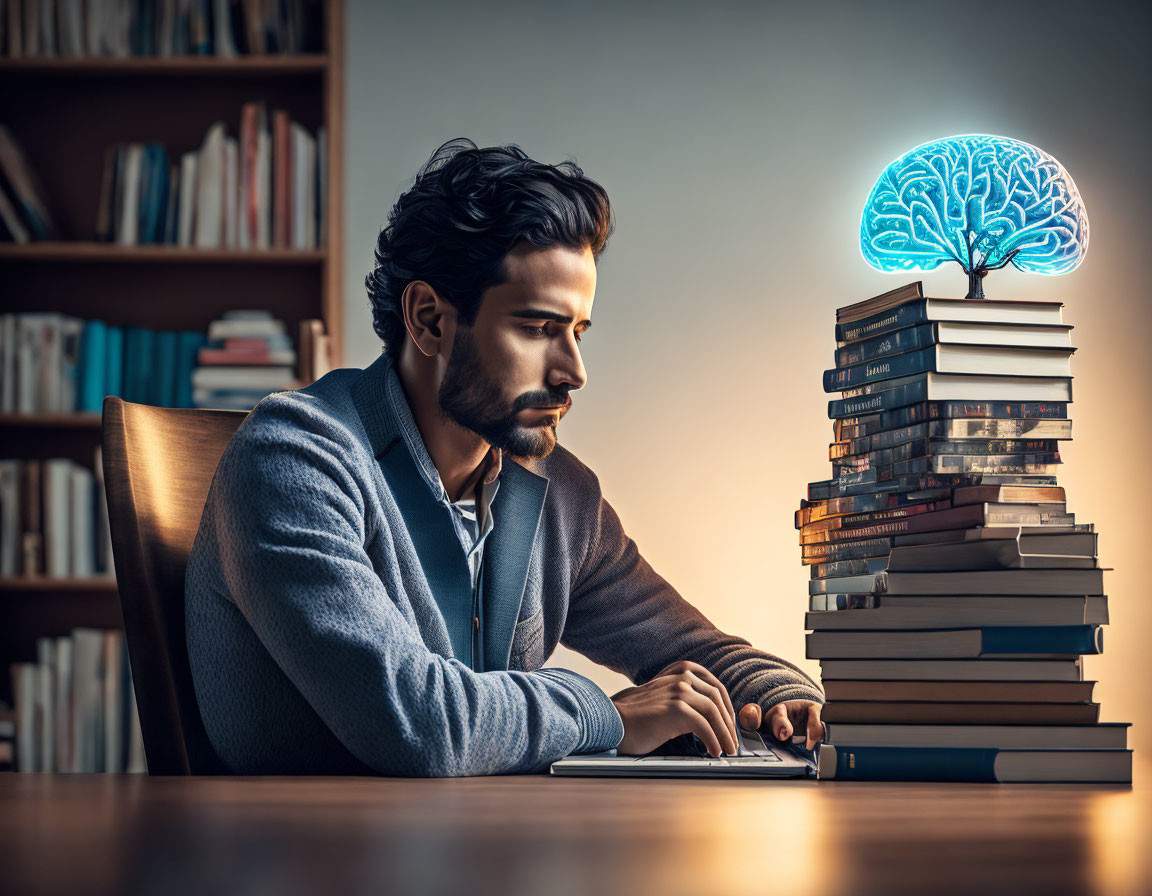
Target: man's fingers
x=697 y=673
x=778 y=722
x=750 y=716
x=707 y=707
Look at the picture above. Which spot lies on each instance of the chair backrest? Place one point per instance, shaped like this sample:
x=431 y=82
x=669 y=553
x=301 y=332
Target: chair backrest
x=158 y=464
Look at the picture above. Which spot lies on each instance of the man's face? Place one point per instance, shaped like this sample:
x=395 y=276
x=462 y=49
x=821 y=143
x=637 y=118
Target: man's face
x=509 y=374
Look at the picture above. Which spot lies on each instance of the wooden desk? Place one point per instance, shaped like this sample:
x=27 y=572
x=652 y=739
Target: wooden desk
x=80 y=834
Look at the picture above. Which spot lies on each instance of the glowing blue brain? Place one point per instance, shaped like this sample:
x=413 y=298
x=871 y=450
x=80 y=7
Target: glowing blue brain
x=977 y=200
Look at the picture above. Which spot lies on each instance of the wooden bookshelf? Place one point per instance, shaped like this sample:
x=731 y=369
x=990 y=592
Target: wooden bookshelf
x=65 y=113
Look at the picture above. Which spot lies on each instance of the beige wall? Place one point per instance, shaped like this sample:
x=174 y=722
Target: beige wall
x=738 y=143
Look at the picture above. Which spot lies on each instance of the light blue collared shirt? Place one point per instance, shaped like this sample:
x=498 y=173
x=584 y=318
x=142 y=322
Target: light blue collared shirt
x=472 y=524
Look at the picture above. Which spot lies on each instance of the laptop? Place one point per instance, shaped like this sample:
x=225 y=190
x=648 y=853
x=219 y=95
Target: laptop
x=686 y=757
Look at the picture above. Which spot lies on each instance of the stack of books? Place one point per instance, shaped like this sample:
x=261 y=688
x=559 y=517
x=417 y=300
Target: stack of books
x=265 y=189
x=52 y=363
x=54 y=519
x=952 y=594
x=249 y=355
x=75 y=707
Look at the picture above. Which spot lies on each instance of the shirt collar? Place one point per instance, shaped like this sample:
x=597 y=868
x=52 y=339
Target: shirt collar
x=398 y=401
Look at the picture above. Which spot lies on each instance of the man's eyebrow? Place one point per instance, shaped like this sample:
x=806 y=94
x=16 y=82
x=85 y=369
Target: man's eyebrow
x=541 y=314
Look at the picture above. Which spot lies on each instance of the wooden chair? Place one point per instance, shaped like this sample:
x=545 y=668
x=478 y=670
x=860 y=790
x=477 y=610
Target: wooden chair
x=158 y=464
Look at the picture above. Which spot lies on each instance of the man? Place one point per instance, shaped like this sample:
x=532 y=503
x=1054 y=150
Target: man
x=388 y=556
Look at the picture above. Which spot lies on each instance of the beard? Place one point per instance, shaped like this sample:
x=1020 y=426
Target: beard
x=470 y=397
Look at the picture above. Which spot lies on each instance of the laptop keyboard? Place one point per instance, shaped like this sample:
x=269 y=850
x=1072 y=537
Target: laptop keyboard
x=689 y=746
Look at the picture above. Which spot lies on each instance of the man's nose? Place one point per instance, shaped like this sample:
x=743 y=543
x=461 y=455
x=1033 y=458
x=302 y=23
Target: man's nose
x=568 y=368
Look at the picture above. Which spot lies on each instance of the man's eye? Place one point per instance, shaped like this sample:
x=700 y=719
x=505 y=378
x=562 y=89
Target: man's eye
x=535 y=331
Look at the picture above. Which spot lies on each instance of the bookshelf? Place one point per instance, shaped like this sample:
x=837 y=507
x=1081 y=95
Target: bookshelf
x=65 y=112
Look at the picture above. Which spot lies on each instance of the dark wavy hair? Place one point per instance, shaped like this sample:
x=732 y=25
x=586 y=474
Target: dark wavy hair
x=466 y=210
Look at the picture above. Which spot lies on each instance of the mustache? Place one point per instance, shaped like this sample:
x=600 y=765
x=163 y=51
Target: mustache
x=542 y=398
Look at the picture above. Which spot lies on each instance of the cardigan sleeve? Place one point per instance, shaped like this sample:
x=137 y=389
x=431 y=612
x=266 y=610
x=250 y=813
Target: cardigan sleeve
x=623 y=615
x=289 y=530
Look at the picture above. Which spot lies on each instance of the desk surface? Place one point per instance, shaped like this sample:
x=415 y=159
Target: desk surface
x=80 y=834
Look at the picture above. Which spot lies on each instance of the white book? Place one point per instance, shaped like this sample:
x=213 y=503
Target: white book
x=188 y=195
x=231 y=194
x=63 y=704
x=9 y=517
x=8 y=353
x=242 y=377
x=46 y=703
x=322 y=186
x=82 y=542
x=71 y=329
x=113 y=685
x=303 y=157
x=243 y=327
x=87 y=700
x=972 y=387
x=209 y=189
x=976 y=333
x=24 y=698
x=129 y=212
x=57 y=481
x=27 y=362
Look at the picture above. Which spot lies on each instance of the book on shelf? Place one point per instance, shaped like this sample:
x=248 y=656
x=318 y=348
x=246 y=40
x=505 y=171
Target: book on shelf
x=75 y=706
x=248 y=356
x=53 y=520
x=120 y=29
x=57 y=363
x=952 y=592
x=263 y=189
x=24 y=206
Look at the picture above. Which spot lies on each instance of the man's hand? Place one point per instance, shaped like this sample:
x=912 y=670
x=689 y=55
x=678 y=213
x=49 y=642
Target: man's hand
x=683 y=698
x=786 y=717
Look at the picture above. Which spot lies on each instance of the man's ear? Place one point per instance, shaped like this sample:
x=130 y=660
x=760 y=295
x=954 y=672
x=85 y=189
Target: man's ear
x=428 y=318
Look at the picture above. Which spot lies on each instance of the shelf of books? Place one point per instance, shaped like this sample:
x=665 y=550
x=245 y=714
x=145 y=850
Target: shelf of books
x=952 y=592
x=171 y=233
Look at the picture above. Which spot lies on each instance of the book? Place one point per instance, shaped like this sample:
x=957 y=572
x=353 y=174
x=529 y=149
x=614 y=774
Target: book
x=849 y=427
x=907 y=306
x=998 y=581
x=866 y=612
x=964 y=517
x=956 y=358
x=1104 y=736
x=961 y=691
x=927 y=387
x=990 y=553
x=975 y=764
x=991 y=641
x=983 y=713
x=243 y=377
x=918 y=337
x=951 y=670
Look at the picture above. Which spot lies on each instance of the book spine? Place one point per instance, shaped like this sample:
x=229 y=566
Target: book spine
x=907 y=315
x=895 y=343
x=883 y=400
x=839 y=378
x=845 y=763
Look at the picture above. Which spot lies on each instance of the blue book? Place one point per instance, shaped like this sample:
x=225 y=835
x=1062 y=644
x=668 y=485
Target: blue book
x=164 y=370
x=992 y=765
x=114 y=358
x=139 y=353
x=93 y=374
